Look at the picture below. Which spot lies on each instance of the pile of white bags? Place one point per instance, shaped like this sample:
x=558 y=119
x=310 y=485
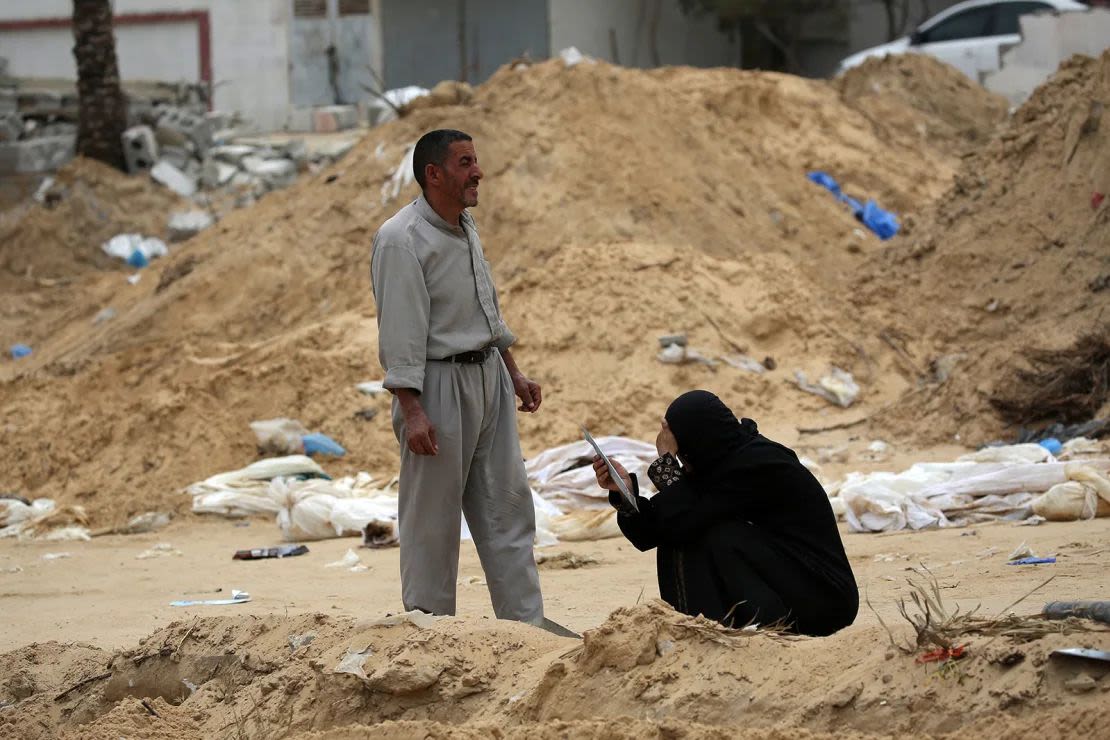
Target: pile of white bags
x=1007 y=483
x=308 y=506
x=565 y=476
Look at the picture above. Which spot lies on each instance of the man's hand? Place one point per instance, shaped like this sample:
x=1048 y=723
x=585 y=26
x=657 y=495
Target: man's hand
x=665 y=441
x=528 y=391
x=420 y=433
x=605 y=480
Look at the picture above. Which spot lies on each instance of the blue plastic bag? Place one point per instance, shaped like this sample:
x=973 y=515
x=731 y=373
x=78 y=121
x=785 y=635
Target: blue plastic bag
x=826 y=181
x=321 y=444
x=137 y=259
x=20 y=350
x=1053 y=445
x=883 y=223
x=1032 y=561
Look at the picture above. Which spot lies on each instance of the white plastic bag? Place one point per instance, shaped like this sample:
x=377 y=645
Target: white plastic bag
x=1067 y=502
x=279 y=436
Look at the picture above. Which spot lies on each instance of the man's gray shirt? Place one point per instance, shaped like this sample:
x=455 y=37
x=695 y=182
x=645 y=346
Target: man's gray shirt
x=434 y=292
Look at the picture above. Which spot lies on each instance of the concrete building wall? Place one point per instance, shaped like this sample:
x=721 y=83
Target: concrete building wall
x=678 y=39
x=426 y=42
x=243 y=45
x=348 y=42
x=1047 y=41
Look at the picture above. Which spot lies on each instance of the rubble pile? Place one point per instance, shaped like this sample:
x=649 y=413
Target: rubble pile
x=207 y=158
x=38 y=119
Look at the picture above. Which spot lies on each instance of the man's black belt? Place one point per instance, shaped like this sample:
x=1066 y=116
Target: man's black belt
x=476 y=357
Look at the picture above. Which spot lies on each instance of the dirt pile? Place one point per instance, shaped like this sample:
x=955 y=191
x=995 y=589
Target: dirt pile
x=1011 y=258
x=618 y=205
x=916 y=99
x=272 y=676
x=89 y=203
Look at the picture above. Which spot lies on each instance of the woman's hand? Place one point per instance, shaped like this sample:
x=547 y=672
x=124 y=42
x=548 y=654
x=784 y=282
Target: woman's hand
x=605 y=480
x=665 y=441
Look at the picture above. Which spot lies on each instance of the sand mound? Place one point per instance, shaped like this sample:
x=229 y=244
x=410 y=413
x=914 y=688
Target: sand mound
x=915 y=98
x=272 y=676
x=88 y=204
x=618 y=205
x=1010 y=258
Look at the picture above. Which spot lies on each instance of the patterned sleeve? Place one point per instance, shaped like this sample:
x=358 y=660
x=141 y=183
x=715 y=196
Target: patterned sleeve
x=665 y=472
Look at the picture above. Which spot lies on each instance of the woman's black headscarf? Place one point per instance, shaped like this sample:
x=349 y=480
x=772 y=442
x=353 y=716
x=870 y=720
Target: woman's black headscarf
x=709 y=436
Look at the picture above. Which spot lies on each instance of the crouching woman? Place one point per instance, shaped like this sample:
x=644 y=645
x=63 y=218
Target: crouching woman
x=743 y=531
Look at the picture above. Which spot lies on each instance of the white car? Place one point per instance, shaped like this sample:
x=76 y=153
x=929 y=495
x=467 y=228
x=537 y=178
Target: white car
x=969 y=36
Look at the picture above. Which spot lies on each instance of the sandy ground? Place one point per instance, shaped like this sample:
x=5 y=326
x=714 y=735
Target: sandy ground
x=104 y=596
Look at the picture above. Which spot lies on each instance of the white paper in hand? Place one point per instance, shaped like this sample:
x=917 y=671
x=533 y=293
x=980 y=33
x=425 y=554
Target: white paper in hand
x=625 y=493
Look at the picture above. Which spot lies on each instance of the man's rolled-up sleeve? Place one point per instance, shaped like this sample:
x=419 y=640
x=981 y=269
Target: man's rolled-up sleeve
x=403 y=309
x=506 y=339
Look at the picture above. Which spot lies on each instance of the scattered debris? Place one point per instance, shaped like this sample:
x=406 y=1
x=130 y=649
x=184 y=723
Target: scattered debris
x=262 y=553
x=106 y=314
x=351 y=561
x=173 y=178
x=1103 y=656
x=237 y=597
x=161 y=550
x=296 y=642
x=401 y=178
x=564 y=561
x=1031 y=561
x=134 y=249
x=743 y=362
x=187 y=224
x=1096 y=610
x=289 y=437
x=676 y=351
x=837 y=386
x=19 y=351
x=572 y=57
x=372 y=388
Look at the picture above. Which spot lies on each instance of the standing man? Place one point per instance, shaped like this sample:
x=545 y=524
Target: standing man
x=445 y=349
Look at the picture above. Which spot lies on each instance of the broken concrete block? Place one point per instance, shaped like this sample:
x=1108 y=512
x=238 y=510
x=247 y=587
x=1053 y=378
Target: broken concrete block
x=178 y=156
x=297 y=151
x=40 y=154
x=187 y=224
x=334 y=150
x=231 y=153
x=57 y=128
x=11 y=126
x=299 y=119
x=173 y=178
x=330 y=118
x=277 y=173
x=249 y=187
x=9 y=103
x=214 y=174
x=177 y=122
x=220 y=119
x=140 y=150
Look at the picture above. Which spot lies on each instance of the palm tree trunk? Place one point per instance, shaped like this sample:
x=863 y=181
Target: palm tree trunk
x=102 y=107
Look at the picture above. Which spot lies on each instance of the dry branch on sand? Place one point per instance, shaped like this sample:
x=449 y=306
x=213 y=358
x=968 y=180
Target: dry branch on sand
x=936 y=625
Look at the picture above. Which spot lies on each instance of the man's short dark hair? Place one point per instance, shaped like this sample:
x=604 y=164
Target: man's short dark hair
x=432 y=148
